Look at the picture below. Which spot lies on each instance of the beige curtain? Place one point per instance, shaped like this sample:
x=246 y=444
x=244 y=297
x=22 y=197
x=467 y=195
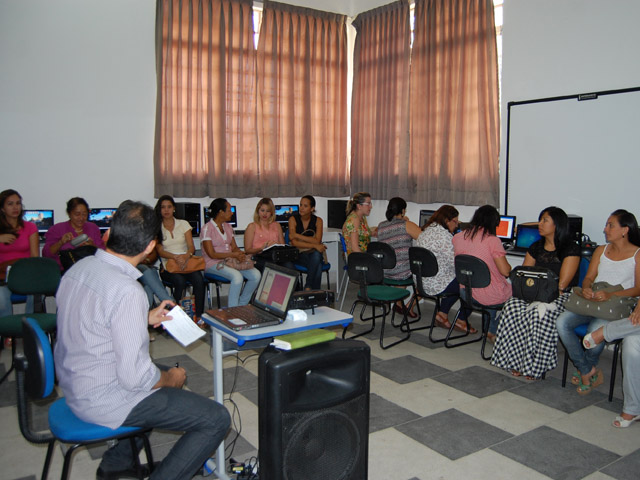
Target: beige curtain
x=380 y=110
x=206 y=138
x=455 y=126
x=302 y=96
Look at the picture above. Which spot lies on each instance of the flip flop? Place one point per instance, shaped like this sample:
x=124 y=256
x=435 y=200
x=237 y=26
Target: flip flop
x=588 y=342
x=595 y=380
x=461 y=326
x=442 y=323
x=623 y=422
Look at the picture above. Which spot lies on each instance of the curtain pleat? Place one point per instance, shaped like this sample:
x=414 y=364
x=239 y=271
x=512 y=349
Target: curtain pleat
x=455 y=127
x=302 y=102
x=380 y=106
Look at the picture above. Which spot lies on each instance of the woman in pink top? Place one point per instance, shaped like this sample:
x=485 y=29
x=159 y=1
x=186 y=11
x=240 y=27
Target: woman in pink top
x=18 y=239
x=480 y=241
x=264 y=231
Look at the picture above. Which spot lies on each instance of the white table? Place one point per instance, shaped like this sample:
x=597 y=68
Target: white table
x=324 y=317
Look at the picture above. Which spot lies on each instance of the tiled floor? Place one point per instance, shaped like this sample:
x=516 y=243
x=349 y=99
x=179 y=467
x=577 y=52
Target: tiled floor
x=435 y=413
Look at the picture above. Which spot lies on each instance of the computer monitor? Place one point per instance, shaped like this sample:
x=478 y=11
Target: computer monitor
x=425 y=215
x=102 y=217
x=283 y=212
x=234 y=219
x=526 y=235
x=336 y=213
x=506 y=229
x=42 y=218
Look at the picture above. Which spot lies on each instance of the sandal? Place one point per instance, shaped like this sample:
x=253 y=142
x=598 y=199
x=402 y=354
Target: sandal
x=595 y=380
x=443 y=321
x=575 y=378
x=461 y=326
x=623 y=422
x=588 y=342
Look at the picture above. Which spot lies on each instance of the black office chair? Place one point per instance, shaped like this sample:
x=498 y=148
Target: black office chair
x=365 y=270
x=472 y=272
x=424 y=264
x=35 y=379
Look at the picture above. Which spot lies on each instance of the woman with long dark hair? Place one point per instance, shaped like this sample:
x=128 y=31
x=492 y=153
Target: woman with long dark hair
x=615 y=263
x=480 y=240
x=437 y=236
x=527 y=338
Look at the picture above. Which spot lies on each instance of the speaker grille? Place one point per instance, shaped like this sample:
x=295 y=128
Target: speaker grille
x=324 y=444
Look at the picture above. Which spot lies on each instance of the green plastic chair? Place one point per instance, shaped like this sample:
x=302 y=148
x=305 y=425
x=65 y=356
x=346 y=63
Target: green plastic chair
x=367 y=271
x=30 y=276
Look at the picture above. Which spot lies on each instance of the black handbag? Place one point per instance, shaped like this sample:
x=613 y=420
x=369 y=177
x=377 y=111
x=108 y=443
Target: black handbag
x=534 y=284
x=69 y=257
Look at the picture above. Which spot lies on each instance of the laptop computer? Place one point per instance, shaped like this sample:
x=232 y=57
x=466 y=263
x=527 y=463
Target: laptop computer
x=268 y=305
x=526 y=235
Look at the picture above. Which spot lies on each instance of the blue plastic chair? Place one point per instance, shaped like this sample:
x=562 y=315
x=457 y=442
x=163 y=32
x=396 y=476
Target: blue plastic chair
x=301 y=269
x=217 y=280
x=35 y=374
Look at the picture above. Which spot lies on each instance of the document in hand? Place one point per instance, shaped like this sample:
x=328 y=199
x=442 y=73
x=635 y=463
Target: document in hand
x=182 y=328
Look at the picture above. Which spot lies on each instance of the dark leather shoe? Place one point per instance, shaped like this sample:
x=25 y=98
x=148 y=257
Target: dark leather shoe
x=127 y=473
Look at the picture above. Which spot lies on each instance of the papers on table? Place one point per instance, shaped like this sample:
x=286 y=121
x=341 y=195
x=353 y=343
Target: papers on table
x=182 y=328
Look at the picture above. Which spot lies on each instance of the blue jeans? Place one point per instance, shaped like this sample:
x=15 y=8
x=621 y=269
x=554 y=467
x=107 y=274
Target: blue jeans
x=313 y=261
x=584 y=360
x=152 y=284
x=203 y=421
x=6 y=307
x=237 y=277
x=447 y=302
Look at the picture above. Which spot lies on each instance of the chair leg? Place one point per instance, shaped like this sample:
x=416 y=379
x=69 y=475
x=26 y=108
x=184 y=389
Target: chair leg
x=13 y=362
x=565 y=366
x=67 y=461
x=614 y=368
x=343 y=288
x=405 y=323
x=485 y=335
x=453 y=337
x=47 y=460
x=328 y=280
x=373 y=322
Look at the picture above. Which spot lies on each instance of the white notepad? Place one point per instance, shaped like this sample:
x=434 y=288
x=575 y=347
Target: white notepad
x=182 y=328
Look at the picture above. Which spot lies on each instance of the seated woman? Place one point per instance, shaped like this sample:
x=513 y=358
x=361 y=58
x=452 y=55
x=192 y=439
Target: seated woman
x=177 y=244
x=614 y=263
x=264 y=231
x=18 y=239
x=437 y=236
x=59 y=236
x=480 y=241
x=305 y=233
x=399 y=232
x=218 y=244
x=355 y=230
x=629 y=329
x=527 y=342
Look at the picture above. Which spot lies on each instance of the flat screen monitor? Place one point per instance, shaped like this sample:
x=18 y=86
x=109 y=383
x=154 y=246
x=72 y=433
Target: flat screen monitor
x=283 y=212
x=42 y=218
x=425 y=215
x=526 y=235
x=336 y=213
x=102 y=217
x=234 y=219
x=507 y=227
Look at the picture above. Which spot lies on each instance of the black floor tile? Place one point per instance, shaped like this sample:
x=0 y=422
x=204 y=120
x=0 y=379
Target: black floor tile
x=407 y=369
x=627 y=468
x=478 y=381
x=384 y=414
x=549 y=392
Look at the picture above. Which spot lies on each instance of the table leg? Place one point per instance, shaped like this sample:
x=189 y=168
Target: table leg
x=218 y=393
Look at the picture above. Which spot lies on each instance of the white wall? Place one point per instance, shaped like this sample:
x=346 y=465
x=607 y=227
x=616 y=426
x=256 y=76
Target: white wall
x=553 y=48
x=77 y=87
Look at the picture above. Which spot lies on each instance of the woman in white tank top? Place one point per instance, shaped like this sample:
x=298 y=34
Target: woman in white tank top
x=618 y=262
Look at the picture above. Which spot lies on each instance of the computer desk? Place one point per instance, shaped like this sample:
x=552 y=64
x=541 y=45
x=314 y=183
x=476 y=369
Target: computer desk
x=323 y=317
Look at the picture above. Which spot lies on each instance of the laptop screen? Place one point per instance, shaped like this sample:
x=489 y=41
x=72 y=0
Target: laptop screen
x=275 y=289
x=527 y=235
x=506 y=228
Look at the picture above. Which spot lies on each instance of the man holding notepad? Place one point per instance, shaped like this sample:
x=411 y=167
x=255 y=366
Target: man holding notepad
x=102 y=354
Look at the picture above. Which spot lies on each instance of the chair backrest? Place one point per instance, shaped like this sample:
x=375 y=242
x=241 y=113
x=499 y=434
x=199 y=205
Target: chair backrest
x=34 y=276
x=384 y=253
x=423 y=264
x=39 y=367
x=364 y=269
x=471 y=272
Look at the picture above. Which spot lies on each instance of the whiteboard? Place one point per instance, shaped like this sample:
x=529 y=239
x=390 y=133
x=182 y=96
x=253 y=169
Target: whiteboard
x=578 y=152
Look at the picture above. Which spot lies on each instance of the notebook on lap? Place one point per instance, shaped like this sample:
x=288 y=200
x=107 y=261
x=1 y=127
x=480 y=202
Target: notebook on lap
x=269 y=303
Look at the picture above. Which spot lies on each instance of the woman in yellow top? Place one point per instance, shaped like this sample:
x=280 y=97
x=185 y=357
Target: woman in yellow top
x=355 y=230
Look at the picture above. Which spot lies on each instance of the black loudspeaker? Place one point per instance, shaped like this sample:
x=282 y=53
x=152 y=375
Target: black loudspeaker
x=191 y=213
x=575 y=227
x=336 y=213
x=313 y=412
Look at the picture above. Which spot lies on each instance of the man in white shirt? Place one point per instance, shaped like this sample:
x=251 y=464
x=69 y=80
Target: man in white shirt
x=102 y=354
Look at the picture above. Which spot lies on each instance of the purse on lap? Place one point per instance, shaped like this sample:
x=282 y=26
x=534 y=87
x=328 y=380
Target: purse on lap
x=613 y=309
x=534 y=284
x=194 y=264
